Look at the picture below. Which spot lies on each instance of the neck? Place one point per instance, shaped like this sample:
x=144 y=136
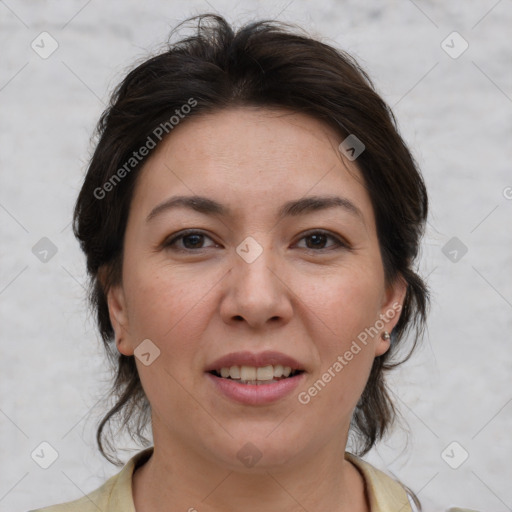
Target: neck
x=182 y=478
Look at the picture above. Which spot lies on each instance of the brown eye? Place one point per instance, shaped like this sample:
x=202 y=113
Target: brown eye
x=190 y=241
x=317 y=240
x=193 y=241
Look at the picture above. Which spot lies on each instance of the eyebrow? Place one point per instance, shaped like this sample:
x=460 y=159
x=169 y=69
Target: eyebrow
x=293 y=208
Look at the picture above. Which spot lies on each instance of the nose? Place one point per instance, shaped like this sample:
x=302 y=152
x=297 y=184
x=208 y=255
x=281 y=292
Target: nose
x=257 y=292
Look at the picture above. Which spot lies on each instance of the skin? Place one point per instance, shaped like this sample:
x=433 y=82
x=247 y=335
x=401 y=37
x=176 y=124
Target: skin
x=199 y=300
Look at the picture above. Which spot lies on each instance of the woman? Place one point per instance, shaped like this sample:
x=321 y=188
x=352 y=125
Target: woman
x=250 y=219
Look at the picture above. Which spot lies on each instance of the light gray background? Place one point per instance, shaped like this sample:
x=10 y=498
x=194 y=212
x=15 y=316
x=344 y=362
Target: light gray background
x=454 y=113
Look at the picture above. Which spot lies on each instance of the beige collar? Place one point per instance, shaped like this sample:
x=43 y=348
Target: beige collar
x=384 y=493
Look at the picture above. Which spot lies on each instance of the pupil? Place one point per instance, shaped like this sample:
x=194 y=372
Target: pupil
x=198 y=239
x=319 y=238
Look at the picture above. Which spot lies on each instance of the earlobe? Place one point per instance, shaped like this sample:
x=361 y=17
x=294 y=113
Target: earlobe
x=390 y=313
x=119 y=319
x=383 y=343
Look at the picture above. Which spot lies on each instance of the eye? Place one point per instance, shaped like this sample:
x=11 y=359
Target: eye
x=318 y=239
x=191 y=240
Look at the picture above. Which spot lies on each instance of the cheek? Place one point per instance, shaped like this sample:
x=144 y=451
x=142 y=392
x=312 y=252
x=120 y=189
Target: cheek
x=164 y=302
x=173 y=308
x=345 y=302
x=167 y=308
x=341 y=310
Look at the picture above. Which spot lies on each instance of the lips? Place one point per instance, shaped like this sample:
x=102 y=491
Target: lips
x=255 y=392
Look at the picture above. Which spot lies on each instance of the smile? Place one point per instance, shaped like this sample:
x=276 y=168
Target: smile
x=253 y=375
x=258 y=393
x=255 y=378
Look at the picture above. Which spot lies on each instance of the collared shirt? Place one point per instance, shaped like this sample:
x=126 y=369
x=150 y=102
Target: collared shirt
x=384 y=493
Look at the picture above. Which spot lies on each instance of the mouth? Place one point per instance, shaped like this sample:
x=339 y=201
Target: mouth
x=253 y=375
x=255 y=379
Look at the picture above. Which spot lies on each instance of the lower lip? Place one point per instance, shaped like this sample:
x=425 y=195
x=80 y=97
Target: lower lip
x=255 y=394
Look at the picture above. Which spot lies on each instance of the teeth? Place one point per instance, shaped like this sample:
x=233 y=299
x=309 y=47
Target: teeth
x=253 y=374
x=234 y=372
x=248 y=373
x=278 y=370
x=265 y=373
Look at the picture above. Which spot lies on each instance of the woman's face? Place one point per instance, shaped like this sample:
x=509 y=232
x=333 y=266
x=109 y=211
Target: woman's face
x=267 y=279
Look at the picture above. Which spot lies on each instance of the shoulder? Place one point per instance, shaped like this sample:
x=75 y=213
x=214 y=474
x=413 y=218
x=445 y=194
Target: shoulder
x=91 y=502
x=113 y=496
x=385 y=494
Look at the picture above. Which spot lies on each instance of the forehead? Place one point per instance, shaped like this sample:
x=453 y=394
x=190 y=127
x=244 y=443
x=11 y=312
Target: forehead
x=251 y=158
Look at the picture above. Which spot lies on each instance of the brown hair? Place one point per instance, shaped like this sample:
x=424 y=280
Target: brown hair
x=267 y=64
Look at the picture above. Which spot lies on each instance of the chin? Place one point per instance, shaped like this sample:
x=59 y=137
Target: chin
x=253 y=454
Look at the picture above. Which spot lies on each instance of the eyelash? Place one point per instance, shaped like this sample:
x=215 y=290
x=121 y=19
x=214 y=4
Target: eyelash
x=340 y=243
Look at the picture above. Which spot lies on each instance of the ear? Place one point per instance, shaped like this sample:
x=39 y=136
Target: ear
x=119 y=318
x=391 y=309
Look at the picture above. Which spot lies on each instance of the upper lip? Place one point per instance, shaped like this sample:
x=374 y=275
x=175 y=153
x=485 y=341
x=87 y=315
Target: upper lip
x=246 y=358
